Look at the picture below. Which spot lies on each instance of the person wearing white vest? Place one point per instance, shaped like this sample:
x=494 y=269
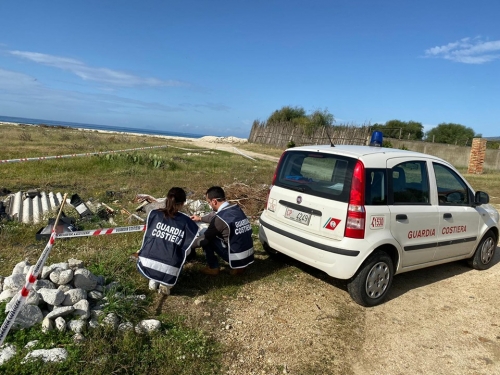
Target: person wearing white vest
x=167 y=241
x=229 y=235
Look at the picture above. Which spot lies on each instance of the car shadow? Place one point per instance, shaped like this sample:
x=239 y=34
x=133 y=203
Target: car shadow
x=408 y=281
x=193 y=284
x=404 y=282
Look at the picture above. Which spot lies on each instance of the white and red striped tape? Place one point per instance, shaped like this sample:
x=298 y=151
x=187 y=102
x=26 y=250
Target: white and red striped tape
x=101 y=232
x=22 y=295
x=76 y=155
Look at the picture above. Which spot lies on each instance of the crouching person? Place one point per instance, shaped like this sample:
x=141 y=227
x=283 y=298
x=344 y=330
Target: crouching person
x=167 y=241
x=229 y=234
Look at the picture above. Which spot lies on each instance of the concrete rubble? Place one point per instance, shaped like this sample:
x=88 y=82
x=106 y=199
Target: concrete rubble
x=66 y=297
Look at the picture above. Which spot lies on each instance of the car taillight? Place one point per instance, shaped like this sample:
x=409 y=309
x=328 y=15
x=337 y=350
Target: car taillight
x=274 y=178
x=356 y=215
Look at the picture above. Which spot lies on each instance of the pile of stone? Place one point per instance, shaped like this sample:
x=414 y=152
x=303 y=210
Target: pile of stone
x=66 y=297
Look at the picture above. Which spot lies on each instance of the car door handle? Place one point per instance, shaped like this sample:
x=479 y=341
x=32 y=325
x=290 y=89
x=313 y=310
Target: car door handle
x=447 y=216
x=401 y=217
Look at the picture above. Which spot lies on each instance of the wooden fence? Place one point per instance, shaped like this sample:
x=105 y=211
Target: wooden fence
x=280 y=134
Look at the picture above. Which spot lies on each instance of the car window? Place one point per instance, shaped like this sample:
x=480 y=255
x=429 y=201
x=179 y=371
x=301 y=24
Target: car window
x=452 y=190
x=376 y=187
x=409 y=183
x=322 y=175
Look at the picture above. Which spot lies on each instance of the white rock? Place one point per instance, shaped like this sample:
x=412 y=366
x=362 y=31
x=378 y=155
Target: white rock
x=47 y=355
x=14 y=282
x=75 y=263
x=46 y=270
x=110 y=320
x=28 y=316
x=78 y=338
x=82 y=309
x=148 y=326
x=127 y=326
x=94 y=294
x=6 y=352
x=7 y=295
x=65 y=277
x=47 y=325
x=84 y=279
x=33 y=298
x=52 y=296
x=60 y=324
x=31 y=344
x=54 y=275
x=64 y=288
x=62 y=266
x=60 y=311
x=39 y=284
x=73 y=296
x=19 y=267
x=77 y=326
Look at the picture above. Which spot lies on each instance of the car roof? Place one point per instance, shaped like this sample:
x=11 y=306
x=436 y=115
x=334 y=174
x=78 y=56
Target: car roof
x=370 y=154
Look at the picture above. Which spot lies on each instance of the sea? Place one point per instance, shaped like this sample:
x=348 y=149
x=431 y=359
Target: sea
x=36 y=121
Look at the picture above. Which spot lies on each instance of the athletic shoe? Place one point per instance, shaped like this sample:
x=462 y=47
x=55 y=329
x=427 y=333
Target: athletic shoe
x=153 y=285
x=165 y=290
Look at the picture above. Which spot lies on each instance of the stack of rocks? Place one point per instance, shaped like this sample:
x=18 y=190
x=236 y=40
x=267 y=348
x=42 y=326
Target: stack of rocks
x=67 y=296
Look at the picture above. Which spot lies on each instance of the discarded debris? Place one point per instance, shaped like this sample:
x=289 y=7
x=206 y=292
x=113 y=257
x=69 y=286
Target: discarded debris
x=65 y=225
x=80 y=206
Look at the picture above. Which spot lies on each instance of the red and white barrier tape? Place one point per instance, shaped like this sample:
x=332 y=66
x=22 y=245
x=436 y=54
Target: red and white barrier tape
x=101 y=232
x=76 y=155
x=22 y=295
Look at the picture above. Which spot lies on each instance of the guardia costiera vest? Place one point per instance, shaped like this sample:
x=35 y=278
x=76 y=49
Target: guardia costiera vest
x=240 y=242
x=164 y=246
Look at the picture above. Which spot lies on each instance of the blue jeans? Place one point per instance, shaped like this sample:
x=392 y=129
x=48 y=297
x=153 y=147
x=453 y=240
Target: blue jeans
x=216 y=247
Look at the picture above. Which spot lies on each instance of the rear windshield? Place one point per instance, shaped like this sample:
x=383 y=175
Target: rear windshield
x=322 y=175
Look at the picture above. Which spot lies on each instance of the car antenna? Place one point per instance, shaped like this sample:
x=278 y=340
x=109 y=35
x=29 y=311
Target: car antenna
x=330 y=138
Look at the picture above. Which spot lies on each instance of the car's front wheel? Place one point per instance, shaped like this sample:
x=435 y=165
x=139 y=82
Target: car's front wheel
x=485 y=252
x=373 y=280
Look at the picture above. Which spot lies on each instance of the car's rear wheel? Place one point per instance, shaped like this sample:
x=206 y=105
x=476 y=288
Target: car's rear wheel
x=373 y=280
x=485 y=252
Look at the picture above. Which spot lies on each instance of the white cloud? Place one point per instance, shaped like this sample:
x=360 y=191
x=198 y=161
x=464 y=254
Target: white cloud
x=467 y=51
x=26 y=90
x=101 y=75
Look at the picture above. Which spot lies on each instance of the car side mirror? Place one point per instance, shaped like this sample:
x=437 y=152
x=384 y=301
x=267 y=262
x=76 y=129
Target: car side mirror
x=481 y=198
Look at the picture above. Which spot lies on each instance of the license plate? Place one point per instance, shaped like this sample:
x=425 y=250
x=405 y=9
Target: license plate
x=298 y=216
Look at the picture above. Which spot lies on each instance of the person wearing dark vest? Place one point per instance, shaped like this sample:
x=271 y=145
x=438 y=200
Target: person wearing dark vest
x=229 y=235
x=167 y=241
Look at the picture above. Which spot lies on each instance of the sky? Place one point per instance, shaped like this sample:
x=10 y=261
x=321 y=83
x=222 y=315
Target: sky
x=214 y=67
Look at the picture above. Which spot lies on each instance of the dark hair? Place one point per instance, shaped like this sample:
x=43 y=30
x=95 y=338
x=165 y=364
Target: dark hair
x=216 y=192
x=176 y=197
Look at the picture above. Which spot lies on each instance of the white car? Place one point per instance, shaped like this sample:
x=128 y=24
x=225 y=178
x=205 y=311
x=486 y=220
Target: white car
x=364 y=214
